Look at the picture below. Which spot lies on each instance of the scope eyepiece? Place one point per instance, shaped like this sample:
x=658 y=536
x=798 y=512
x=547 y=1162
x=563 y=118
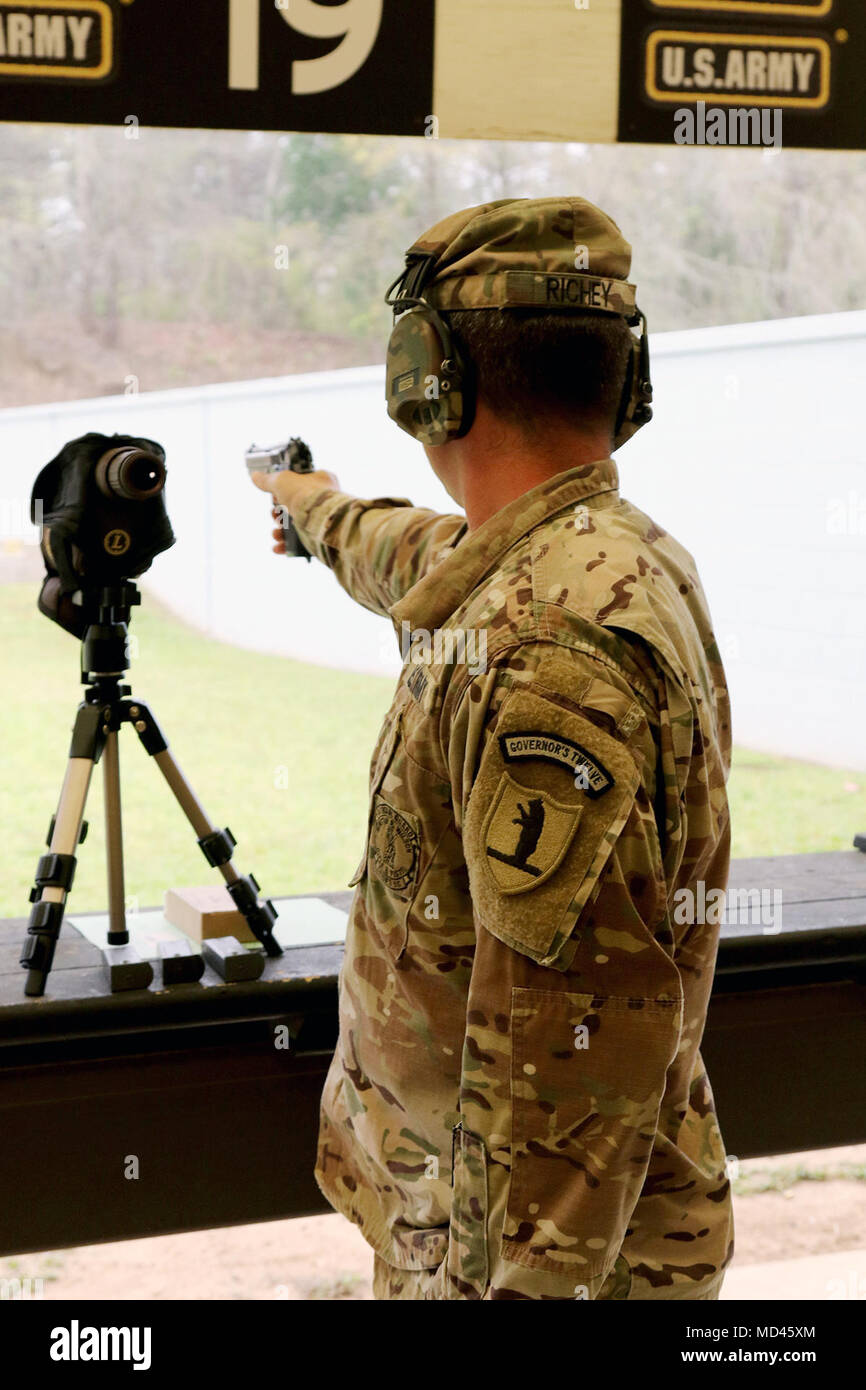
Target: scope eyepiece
x=131 y=474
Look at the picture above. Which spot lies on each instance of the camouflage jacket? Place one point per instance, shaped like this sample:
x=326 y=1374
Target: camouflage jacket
x=517 y=1106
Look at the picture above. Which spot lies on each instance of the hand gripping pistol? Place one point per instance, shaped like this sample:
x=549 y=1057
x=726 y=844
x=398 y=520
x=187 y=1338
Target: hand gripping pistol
x=295 y=455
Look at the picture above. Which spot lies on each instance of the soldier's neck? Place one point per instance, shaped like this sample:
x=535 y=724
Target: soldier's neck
x=495 y=462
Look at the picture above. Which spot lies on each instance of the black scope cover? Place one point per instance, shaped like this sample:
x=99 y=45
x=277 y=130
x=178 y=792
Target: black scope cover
x=90 y=539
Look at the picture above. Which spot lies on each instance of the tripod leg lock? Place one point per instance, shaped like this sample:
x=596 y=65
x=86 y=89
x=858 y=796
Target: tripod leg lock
x=42 y=932
x=260 y=915
x=81 y=837
x=53 y=871
x=218 y=847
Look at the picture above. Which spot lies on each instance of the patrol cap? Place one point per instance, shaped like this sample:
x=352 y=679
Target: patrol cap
x=552 y=253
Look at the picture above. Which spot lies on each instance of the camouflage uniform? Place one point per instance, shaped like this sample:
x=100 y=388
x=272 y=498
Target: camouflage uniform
x=517 y=1105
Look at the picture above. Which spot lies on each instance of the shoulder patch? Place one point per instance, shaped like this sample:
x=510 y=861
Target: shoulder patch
x=551 y=797
x=589 y=773
x=526 y=835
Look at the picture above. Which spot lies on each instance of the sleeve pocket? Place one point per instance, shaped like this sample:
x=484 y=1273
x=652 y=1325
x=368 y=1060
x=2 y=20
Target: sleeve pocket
x=587 y=1077
x=552 y=795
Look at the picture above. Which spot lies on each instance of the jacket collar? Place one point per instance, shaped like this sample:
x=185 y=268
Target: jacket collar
x=431 y=601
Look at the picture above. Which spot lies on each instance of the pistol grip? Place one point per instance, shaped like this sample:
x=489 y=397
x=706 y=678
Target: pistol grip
x=295 y=548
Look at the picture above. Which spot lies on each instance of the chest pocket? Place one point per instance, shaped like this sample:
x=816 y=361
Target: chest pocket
x=389 y=867
x=382 y=755
x=411 y=851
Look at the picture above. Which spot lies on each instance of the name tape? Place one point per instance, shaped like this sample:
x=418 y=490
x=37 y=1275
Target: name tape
x=553 y=290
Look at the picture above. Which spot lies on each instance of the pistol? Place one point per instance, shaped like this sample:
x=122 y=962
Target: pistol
x=295 y=455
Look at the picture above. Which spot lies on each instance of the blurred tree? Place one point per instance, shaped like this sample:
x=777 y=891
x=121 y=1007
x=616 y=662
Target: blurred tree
x=176 y=257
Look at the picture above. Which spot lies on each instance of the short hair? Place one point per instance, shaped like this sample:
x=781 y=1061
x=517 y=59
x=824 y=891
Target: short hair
x=530 y=363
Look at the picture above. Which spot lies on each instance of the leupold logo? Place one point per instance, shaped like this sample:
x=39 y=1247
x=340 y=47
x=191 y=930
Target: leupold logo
x=57 y=39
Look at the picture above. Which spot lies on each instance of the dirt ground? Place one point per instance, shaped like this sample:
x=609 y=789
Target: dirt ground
x=326 y=1258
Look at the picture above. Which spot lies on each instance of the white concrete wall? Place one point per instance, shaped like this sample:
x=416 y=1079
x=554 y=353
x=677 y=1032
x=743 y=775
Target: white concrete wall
x=754 y=460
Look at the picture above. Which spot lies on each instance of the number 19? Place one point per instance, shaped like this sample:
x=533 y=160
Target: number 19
x=357 y=22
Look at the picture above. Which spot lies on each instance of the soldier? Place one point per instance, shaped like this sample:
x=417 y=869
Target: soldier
x=517 y=1105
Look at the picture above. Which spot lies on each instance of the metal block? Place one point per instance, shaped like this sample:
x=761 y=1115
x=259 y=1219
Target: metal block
x=181 y=965
x=123 y=969
x=231 y=960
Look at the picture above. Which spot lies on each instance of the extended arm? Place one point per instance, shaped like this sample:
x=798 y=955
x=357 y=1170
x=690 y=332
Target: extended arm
x=377 y=548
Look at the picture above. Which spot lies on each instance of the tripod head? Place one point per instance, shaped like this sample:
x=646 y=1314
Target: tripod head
x=105 y=642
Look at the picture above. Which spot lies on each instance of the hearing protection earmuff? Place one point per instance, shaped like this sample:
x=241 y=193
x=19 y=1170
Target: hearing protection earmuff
x=429 y=391
x=430 y=383
x=635 y=407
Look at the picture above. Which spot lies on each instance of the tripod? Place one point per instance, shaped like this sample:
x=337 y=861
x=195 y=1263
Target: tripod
x=106 y=706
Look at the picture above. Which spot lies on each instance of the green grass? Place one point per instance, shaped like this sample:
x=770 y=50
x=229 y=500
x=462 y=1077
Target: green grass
x=782 y=806
x=781 y=1179
x=232 y=719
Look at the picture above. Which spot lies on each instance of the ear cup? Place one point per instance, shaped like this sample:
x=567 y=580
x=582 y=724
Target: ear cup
x=463 y=385
x=426 y=379
x=621 y=432
x=634 y=407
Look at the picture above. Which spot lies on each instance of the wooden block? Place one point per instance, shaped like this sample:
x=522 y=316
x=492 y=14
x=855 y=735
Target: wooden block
x=206 y=912
x=233 y=961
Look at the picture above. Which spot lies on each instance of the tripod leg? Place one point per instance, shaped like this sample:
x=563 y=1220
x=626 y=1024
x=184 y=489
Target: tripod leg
x=216 y=845
x=55 y=874
x=117 y=933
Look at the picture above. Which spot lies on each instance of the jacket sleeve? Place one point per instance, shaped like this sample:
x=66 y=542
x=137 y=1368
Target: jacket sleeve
x=574 y=1012
x=378 y=549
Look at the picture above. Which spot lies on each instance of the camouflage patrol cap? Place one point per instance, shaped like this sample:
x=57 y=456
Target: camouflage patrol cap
x=555 y=253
